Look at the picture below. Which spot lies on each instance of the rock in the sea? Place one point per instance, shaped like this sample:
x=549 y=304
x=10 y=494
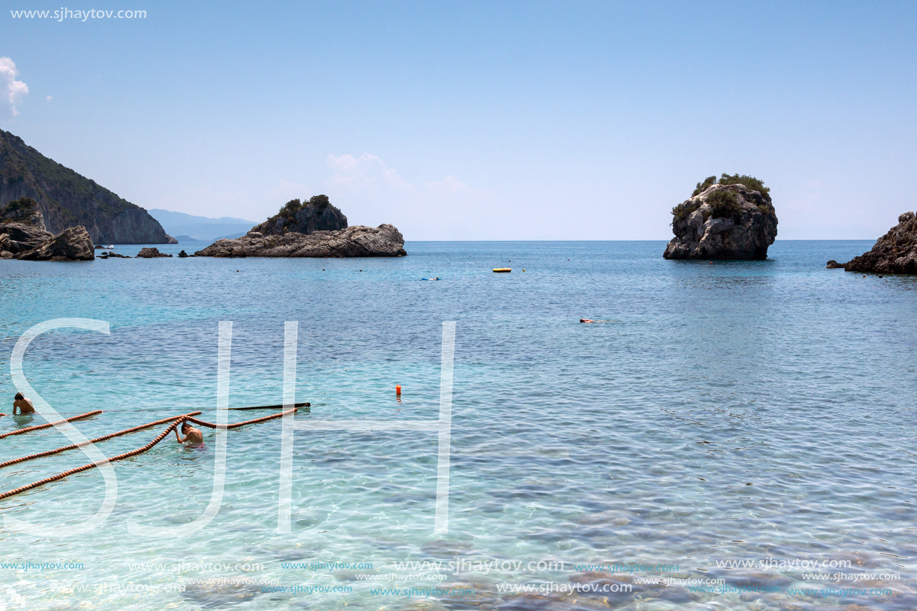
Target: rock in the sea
x=317 y=214
x=73 y=244
x=356 y=241
x=21 y=237
x=182 y=255
x=832 y=264
x=150 y=253
x=723 y=221
x=893 y=253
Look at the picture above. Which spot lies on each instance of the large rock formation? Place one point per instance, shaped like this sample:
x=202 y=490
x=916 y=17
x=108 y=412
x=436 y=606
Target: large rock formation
x=304 y=217
x=19 y=237
x=72 y=244
x=728 y=220
x=356 y=241
x=893 y=253
x=66 y=199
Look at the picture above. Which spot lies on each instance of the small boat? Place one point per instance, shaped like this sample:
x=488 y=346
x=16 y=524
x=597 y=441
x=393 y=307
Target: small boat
x=502 y=270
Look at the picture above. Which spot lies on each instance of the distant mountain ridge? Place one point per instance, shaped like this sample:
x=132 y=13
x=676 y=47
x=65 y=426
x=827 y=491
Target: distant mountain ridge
x=201 y=228
x=67 y=199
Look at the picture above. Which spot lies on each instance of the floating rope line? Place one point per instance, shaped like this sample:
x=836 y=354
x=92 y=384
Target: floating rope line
x=44 y=426
x=297 y=406
x=54 y=478
x=96 y=440
x=238 y=424
x=177 y=421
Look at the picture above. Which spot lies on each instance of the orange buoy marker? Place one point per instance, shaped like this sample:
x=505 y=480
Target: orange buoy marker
x=398 y=390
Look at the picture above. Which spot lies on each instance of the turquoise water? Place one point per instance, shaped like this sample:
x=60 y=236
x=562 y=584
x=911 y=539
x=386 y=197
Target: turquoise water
x=758 y=412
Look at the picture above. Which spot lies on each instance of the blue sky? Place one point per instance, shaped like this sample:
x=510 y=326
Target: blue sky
x=480 y=120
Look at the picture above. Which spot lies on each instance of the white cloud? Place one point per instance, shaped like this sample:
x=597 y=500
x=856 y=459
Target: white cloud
x=370 y=193
x=366 y=169
x=48 y=98
x=13 y=90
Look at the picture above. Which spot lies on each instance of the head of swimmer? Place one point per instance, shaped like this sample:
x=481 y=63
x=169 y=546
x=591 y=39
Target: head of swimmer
x=185 y=426
x=19 y=396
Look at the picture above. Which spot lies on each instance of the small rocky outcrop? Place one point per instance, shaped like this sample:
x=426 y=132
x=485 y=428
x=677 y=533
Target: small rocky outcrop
x=317 y=214
x=73 y=244
x=893 y=253
x=151 y=253
x=16 y=238
x=356 y=241
x=725 y=220
x=182 y=255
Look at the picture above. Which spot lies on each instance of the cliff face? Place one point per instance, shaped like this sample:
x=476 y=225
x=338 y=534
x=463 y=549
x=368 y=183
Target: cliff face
x=67 y=199
x=318 y=214
x=893 y=253
x=724 y=221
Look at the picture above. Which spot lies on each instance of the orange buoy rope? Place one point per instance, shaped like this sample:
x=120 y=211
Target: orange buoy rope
x=96 y=440
x=44 y=426
x=176 y=422
x=54 y=478
x=238 y=424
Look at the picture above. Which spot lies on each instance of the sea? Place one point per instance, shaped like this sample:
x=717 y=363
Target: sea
x=727 y=435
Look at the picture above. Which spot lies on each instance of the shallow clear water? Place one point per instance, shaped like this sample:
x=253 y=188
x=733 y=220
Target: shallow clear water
x=743 y=411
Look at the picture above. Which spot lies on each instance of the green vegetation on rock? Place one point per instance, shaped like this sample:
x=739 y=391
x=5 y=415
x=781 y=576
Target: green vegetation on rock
x=703 y=186
x=19 y=211
x=289 y=210
x=750 y=182
x=683 y=210
x=724 y=204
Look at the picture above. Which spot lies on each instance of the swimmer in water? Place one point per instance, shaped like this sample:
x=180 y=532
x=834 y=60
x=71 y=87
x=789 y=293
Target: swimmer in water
x=192 y=435
x=585 y=320
x=24 y=405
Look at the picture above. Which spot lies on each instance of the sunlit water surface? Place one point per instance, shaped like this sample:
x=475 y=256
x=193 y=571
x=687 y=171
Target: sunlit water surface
x=741 y=411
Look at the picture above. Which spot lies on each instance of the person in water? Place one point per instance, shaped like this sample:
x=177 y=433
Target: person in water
x=23 y=405
x=192 y=435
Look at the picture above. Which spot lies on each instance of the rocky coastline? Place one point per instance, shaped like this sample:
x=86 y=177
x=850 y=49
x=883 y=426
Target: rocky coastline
x=355 y=241
x=893 y=253
x=30 y=243
x=314 y=228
